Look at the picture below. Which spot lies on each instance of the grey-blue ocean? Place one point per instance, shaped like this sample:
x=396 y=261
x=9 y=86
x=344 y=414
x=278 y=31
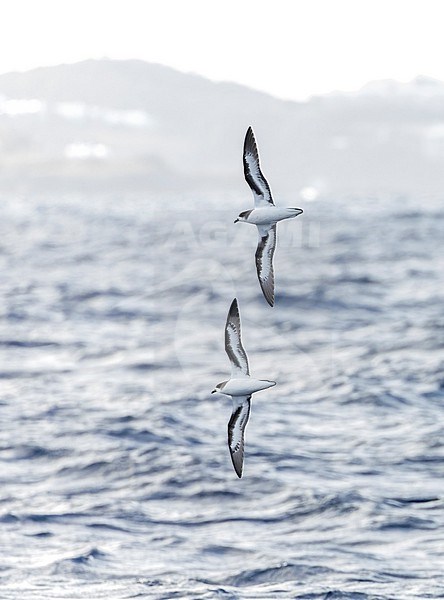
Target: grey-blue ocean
x=116 y=480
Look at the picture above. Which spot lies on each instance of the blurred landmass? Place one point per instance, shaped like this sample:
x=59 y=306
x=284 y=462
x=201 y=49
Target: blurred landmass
x=106 y=124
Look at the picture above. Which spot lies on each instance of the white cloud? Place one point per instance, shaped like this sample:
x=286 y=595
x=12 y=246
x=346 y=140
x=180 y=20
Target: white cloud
x=85 y=151
x=13 y=108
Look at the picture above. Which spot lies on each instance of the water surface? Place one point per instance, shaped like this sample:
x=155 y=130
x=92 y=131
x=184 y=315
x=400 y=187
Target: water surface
x=116 y=480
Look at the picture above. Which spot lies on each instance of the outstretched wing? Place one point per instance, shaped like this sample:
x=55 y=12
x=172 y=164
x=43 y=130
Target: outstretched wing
x=253 y=174
x=233 y=343
x=236 y=431
x=264 y=260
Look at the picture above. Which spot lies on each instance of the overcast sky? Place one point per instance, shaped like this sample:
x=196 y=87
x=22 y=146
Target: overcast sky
x=289 y=48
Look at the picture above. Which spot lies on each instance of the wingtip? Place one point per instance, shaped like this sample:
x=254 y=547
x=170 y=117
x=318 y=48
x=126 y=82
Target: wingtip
x=234 y=306
x=250 y=140
x=266 y=287
x=268 y=294
x=238 y=468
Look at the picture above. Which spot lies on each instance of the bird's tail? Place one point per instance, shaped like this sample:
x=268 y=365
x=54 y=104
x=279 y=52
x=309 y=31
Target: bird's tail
x=295 y=211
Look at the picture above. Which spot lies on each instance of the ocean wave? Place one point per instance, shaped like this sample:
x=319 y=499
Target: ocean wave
x=116 y=479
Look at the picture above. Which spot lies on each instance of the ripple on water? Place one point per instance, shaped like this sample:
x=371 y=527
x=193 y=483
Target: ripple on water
x=116 y=479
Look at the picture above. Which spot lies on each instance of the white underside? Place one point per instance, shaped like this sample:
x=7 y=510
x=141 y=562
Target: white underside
x=271 y=214
x=245 y=386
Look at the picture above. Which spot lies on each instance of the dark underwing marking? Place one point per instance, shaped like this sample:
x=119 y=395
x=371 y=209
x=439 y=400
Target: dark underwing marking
x=252 y=170
x=264 y=253
x=233 y=342
x=236 y=434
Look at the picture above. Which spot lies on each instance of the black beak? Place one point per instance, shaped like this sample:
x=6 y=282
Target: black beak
x=214 y=391
x=236 y=220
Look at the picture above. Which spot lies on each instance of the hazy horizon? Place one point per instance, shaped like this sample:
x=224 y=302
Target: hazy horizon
x=294 y=51
x=419 y=77
x=130 y=124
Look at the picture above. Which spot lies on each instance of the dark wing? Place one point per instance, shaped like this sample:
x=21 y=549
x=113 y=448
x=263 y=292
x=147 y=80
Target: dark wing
x=264 y=260
x=233 y=343
x=236 y=431
x=253 y=174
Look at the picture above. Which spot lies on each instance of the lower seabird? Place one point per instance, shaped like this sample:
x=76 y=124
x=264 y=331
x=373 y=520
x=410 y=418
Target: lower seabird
x=241 y=386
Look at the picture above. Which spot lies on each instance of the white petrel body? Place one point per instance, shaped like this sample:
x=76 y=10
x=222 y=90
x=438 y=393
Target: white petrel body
x=240 y=387
x=264 y=215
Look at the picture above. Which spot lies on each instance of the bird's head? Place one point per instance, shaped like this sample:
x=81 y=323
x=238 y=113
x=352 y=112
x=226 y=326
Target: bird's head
x=243 y=217
x=219 y=387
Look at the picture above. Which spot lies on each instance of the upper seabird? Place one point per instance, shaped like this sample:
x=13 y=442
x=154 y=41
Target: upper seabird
x=264 y=215
x=240 y=387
